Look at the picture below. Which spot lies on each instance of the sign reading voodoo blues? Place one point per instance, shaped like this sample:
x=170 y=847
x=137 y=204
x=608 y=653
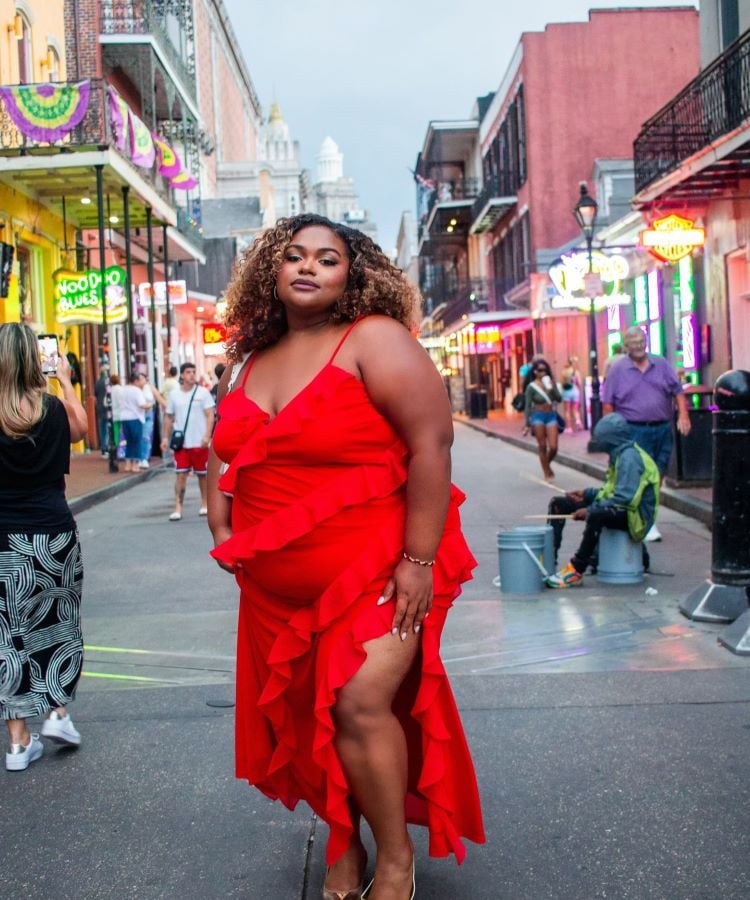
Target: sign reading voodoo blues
x=47 y=111
x=78 y=296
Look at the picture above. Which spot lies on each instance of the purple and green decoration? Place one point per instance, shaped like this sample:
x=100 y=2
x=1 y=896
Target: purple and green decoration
x=46 y=112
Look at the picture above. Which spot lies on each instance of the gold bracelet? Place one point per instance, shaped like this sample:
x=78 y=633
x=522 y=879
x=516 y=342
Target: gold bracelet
x=419 y=562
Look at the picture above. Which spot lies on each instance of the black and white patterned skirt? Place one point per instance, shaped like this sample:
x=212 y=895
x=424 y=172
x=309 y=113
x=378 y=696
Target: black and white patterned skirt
x=41 y=645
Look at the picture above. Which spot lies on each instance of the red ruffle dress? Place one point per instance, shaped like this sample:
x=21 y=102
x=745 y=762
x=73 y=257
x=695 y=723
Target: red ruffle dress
x=318 y=519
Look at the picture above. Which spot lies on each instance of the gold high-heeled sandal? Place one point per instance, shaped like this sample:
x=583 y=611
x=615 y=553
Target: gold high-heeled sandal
x=354 y=894
x=367 y=890
x=350 y=894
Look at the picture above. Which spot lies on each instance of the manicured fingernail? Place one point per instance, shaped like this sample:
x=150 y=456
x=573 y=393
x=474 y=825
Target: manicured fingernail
x=394 y=631
x=404 y=635
x=381 y=601
x=416 y=629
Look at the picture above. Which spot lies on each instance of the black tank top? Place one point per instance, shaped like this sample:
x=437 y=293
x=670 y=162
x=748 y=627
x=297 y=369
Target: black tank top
x=32 y=475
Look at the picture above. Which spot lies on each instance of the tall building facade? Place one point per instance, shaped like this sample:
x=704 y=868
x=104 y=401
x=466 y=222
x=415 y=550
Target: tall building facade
x=496 y=191
x=101 y=130
x=692 y=160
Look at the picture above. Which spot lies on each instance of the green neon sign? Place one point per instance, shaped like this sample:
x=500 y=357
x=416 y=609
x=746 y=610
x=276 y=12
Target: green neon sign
x=78 y=296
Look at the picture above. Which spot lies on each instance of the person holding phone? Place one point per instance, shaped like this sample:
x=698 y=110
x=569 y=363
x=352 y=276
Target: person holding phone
x=41 y=645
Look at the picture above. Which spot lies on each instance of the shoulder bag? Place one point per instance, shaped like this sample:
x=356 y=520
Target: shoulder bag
x=177 y=438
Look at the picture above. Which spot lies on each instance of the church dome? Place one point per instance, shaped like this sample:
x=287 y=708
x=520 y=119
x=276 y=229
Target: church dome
x=330 y=161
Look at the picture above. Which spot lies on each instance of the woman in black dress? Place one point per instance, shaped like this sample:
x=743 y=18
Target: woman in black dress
x=41 y=647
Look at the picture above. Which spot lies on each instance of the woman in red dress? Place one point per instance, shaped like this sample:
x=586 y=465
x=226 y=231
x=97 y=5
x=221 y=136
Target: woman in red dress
x=330 y=500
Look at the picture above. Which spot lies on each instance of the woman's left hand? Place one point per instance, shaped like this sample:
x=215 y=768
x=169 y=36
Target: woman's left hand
x=411 y=587
x=62 y=371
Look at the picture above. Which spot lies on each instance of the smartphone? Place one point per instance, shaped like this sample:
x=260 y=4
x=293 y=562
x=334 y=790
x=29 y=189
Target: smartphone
x=49 y=351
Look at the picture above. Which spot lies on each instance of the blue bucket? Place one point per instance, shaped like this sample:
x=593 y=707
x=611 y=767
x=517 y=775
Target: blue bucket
x=548 y=556
x=620 y=559
x=517 y=552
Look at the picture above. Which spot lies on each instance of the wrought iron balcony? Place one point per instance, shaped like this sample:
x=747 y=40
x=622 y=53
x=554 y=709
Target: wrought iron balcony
x=451 y=300
x=169 y=22
x=711 y=106
x=93 y=132
x=495 y=200
x=190 y=225
x=451 y=199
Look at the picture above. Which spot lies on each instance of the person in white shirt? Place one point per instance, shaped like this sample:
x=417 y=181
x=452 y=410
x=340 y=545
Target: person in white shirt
x=153 y=397
x=190 y=410
x=133 y=406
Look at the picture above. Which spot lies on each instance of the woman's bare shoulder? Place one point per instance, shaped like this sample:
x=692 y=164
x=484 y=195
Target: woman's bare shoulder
x=372 y=330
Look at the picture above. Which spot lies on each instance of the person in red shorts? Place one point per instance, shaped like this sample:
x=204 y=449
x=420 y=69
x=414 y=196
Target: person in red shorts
x=190 y=410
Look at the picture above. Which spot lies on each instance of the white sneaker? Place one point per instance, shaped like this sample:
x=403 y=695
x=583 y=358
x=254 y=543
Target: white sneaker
x=19 y=757
x=653 y=534
x=144 y=464
x=61 y=730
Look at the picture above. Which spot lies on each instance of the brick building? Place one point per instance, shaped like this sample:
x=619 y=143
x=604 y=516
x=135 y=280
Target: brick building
x=496 y=191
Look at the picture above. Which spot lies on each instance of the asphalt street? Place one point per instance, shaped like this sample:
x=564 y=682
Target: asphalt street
x=611 y=735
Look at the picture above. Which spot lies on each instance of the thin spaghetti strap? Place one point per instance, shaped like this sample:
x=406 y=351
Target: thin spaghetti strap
x=345 y=336
x=250 y=364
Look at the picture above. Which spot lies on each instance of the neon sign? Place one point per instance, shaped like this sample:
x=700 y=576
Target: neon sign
x=78 y=296
x=177 y=293
x=488 y=338
x=672 y=238
x=568 y=276
x=213 y=333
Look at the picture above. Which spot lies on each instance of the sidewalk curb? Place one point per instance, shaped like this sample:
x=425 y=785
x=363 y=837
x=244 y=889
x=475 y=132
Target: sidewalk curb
x=686 y=506
x=86 y=501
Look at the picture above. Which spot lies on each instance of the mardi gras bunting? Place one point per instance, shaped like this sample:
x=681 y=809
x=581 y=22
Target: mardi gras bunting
x=184 y=181
x=119 y=112
x=142 y=151
x=46 y=112
x=168 y=163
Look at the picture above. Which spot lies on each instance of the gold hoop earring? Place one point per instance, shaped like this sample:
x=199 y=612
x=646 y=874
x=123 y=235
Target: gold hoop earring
x=275 y=295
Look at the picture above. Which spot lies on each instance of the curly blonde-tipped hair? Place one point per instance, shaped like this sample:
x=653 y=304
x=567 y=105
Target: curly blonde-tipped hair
x=256 y=318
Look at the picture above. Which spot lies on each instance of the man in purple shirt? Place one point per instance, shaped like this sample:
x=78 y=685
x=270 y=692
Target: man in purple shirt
x=644 y=389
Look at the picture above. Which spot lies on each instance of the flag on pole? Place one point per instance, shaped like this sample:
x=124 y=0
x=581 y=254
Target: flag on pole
x=427 y=183
x=168 y=163
x=142 y=151
x=46 y=112
x=184 y=181
x=119 y=113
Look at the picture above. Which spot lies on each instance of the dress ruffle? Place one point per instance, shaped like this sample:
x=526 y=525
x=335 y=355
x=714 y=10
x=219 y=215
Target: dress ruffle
x=324 y=639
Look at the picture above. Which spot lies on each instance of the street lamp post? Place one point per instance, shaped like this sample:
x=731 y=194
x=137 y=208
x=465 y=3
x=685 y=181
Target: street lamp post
x=585 y=213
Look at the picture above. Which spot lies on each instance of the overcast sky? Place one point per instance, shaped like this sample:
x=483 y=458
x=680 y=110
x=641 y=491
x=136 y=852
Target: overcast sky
x=372 y=73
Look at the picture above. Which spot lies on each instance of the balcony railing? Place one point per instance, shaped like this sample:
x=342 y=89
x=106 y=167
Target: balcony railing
x=94 y=131
x=498 y=187
x=452 y=190
x=711 y=106
x=190 y=225
x=166 y=20
x=454 y=300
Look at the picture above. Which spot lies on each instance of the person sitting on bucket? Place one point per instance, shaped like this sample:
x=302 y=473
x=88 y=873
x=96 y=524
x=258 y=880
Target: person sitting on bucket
x=628 y=501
